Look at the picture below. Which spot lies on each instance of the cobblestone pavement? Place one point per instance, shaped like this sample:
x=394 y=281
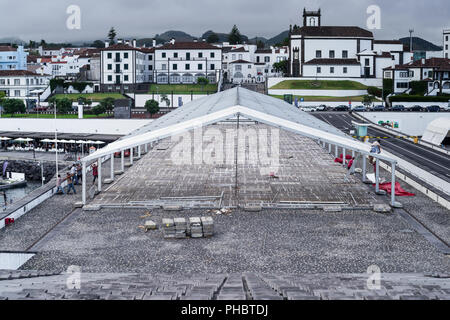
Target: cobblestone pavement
x=278 y=241
x=33 y=285
x=305 y=172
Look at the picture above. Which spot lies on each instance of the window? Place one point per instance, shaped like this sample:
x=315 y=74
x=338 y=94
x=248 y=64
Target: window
x=233 y=57
x=319 y=69
x=404 y=74
x=125 y=55
x=163 y=54
x=238 y=67
x=200 y=66
x=188 y=66
x=345 y=70
x=125 y=66
x=367 y=62
x=174 y=66
x=331 y=69
x=318 y=54
x=240 y=56
x=150 y=67
x=188 y=57
x=150 y=57
x=175 y=54
x=402 y=85
x=17 y=93
x=109 y=66
x=16 y=82
x=331 y=54
x=109 y=55
x=266 y=59
x=163 y=66
x=211 y=55
x=212 y=67
x=344 y=54
x=200 y=54
x=446 y=38
x=125 y=78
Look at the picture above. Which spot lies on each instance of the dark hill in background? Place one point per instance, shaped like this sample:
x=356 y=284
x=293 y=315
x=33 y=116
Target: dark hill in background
x=420 y=44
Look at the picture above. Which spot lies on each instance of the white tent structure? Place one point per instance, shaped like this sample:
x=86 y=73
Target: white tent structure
x=437 y=131
x=236 y=102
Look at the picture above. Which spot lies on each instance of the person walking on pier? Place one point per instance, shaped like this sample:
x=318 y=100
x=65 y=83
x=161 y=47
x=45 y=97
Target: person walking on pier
x=94 y=172
x=58 y=185
x=70 y=185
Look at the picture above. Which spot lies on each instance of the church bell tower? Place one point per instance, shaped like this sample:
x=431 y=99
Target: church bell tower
x=311 y=18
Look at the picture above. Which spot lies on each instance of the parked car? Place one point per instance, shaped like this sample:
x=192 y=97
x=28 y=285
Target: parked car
x=433 y=109
x=359 y=108
x=379 y=107
x=308 y=108
x=398 y=107
x=415 y=108
x=322 y=107
x=126 y=154
x=341 y=108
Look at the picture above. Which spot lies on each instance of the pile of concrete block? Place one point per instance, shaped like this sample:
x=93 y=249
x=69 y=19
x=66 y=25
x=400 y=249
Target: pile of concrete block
x=180 y=228
x=168 y=227
x=208 y=226
x=195 y=227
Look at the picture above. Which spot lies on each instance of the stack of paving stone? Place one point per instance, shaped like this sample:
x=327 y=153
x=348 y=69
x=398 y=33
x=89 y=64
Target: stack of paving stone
x=195 y=227
x=168 y=227
x=180 y=228
x=208 y=226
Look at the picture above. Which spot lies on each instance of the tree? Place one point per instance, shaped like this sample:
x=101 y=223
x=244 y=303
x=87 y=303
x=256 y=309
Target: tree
x=367 y=100
x=12 y=106
x=63 y=105
x=98 y=44
x=112 y=35
x=108 y=104
x=281 y=66
x=152 y=106
x=212 y=38
x=283 y=43
x=98 y=109
x=260 y=44
x=235 y=36
x=43 y=43
x=165 y=99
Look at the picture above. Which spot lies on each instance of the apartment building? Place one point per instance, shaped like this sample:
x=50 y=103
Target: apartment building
x=185 y=62
x=13 y=58
x=446 y=43
x=23 y=84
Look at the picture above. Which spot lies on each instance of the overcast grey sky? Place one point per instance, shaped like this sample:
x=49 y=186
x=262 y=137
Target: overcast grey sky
x=46 y=19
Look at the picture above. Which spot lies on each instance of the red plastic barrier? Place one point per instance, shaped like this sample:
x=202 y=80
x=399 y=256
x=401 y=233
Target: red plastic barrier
x=399 y=191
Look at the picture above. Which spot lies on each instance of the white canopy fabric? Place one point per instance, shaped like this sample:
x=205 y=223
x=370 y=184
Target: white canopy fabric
x=5 y=139
x=437 y=131
x=228 y=104
x=24 y=139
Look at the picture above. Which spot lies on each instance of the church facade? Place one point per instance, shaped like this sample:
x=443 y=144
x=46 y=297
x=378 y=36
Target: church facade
x=339 y=51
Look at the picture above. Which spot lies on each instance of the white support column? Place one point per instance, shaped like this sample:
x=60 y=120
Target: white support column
x=393 y=185
x=83 y=183
x=99 y=175
x=364 y=168
x=139 y=152
x=377 y=176
x=329 y=148
x=122 y=160
x=344 y=156
x=131 y=156
x=112 y=167
x=336 y=151
x=353 y=153
x=146 y=148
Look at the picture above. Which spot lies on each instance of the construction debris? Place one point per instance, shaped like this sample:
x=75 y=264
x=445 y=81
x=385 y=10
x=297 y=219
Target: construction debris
x=195 y=227
x=180 y=228
x=208 y=226
x=150 y=225
x=168 y=227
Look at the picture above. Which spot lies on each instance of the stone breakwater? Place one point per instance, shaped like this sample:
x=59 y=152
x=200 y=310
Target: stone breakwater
x=32 y=169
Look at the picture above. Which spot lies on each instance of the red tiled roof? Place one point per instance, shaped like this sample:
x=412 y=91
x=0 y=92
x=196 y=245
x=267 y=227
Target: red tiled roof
x=340 y=31
x=148 y=50
x=188 y=45
x=17 y=73
x=241 y=49
x=119 y=47
x=387 y=42
x=440 y=64
x=7 y=48
x=344 y=62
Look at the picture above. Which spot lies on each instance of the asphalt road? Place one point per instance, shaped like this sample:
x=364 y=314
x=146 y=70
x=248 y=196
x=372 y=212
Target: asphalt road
x=428 y=159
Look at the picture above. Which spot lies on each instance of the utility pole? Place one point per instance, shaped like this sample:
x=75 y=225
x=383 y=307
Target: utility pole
x=410 y=40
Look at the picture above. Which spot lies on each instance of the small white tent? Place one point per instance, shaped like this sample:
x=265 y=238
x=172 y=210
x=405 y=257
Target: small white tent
x=437 y=131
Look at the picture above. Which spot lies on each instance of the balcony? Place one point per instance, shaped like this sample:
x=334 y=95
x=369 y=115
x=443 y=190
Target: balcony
x=117 y=71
